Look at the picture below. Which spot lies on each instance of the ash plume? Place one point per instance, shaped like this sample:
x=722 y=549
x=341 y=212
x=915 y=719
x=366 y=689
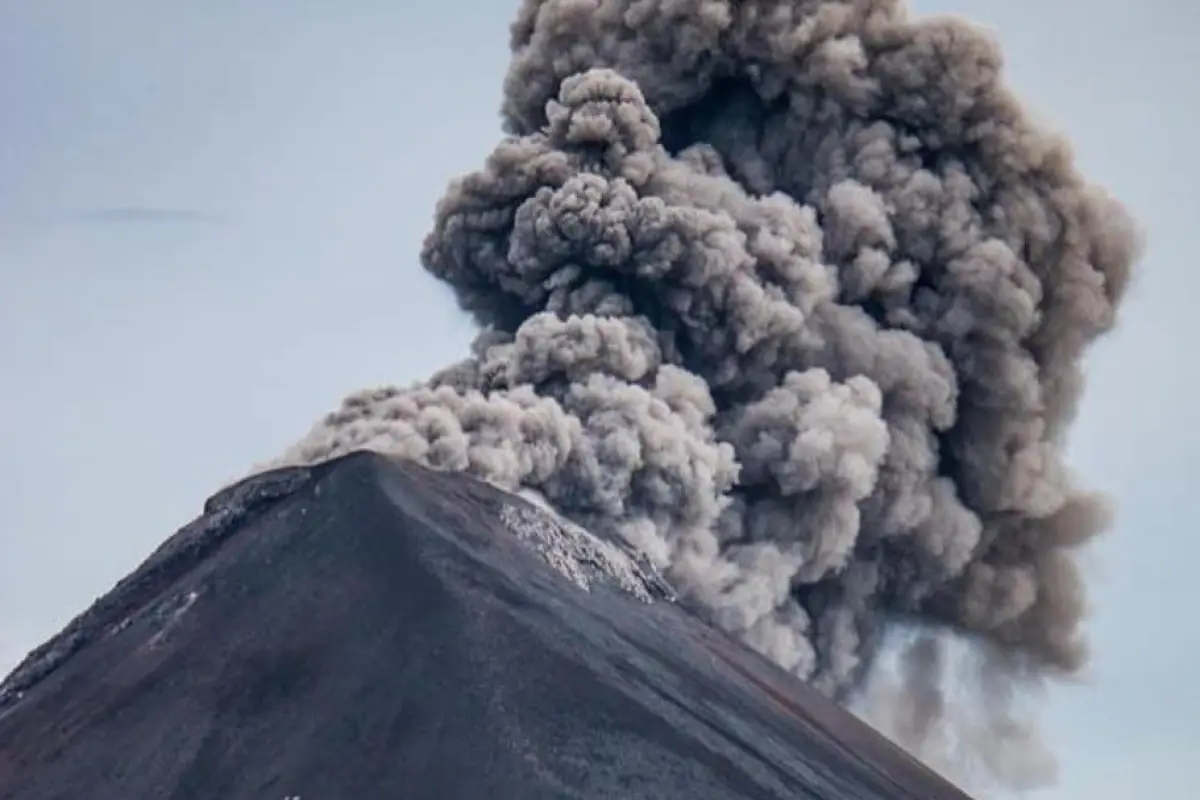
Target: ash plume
x=793 y=297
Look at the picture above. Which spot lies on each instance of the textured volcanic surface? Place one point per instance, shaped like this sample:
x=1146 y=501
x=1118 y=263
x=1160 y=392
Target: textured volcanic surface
x=371 y=629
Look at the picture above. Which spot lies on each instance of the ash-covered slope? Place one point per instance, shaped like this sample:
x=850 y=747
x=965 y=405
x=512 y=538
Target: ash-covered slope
x=369 y=628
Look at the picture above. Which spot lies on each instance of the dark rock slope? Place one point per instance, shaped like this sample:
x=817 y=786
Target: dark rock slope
x=371 y=629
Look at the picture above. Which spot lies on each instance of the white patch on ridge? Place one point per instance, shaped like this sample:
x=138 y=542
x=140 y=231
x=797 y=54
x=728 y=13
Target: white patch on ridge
x=580 y=556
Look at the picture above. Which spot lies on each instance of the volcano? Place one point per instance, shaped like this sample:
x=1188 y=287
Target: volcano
x=369 y=628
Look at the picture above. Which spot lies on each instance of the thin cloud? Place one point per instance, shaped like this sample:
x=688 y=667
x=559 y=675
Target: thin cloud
x=141 y=215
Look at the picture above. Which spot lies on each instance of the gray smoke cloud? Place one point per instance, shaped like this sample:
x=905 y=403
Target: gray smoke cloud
x=793 y=297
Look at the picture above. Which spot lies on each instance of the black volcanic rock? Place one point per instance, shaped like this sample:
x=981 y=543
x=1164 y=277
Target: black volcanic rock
x=371 y=629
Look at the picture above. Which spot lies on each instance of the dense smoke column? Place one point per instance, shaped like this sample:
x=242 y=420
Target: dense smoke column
x=793 y=297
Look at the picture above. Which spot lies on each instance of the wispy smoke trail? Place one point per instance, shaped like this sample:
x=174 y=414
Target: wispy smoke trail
x=793 y=296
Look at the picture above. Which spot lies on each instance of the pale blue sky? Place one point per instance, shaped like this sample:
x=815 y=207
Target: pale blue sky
x=209 y=222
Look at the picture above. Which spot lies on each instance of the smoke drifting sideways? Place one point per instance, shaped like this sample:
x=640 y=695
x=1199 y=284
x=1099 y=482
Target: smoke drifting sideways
x=792 y=297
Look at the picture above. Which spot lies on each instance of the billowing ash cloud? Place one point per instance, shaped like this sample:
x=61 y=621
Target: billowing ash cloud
x=793 y=297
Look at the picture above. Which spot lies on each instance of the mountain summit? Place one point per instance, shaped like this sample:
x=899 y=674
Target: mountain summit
x=370 y=628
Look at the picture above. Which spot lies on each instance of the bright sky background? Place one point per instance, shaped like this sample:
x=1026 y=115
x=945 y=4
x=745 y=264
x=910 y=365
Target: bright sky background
x=210 y=214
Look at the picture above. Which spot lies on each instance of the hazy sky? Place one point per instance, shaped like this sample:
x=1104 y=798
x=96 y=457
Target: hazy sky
x=209 y=222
